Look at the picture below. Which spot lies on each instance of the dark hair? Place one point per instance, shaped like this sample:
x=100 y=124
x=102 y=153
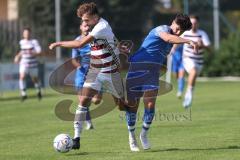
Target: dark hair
x=27 y=28
x=87 y=8
x=183 y=21
x=194 y=16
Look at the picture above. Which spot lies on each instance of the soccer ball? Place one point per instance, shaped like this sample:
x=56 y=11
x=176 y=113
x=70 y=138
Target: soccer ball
x=62 y=143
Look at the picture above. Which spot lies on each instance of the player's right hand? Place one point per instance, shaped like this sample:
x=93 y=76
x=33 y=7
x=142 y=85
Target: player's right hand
x=53 y=45
x=16 y=59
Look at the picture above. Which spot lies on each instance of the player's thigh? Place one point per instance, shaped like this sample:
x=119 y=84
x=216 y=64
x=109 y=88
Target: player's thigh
x=189 y=64
x=93 y=81
x=113 y=84
x=23 y=71
x=86 y=96
x=141 y=78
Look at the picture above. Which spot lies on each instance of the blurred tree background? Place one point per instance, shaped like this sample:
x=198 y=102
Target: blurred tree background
x=131 y=20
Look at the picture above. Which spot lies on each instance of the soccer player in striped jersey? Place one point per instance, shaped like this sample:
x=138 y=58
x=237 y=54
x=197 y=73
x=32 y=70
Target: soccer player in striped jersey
x=81 y=60
x=192 y=61
x=144 y=71
x=28 y=63
x=104 y=68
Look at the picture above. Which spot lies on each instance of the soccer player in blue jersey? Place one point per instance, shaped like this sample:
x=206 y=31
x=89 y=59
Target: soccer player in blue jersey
x=177 y=68
x=144 y=71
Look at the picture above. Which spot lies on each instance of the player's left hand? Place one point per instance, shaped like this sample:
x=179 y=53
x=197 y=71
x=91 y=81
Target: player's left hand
x=195 y=46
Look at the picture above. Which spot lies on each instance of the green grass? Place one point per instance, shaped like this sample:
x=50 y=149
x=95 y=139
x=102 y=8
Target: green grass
x=212 y=132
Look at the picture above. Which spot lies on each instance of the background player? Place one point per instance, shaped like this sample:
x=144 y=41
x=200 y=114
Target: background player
x=177 y=68
x=29 y=50
x=192 y=61
x=144 y=71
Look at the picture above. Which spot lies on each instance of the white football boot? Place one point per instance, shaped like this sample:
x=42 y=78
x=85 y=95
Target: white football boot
x=133 y=143
x=187 y=100
x=144 y=140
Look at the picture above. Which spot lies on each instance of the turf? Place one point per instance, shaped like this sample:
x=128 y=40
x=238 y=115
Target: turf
x=210 y=130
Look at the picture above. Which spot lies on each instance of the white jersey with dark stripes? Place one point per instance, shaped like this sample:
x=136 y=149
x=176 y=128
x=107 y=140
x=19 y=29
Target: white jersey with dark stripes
x=188 y=51
x=104 y=51
x=29 y=49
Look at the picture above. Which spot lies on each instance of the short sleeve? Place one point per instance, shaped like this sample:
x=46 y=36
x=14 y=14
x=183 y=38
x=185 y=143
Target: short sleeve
x=36 y=45
x=160 y=29
x=205 y=39
x=98 y=31
x=75 y=50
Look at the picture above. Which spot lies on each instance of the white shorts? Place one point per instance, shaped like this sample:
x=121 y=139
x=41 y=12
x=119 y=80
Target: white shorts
x=189 y=64
x=33 y=72
x=107 y=82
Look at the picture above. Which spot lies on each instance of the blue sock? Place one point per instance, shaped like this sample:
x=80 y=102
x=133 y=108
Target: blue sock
x=181 y=83
x=131 y=120
x=148 y=117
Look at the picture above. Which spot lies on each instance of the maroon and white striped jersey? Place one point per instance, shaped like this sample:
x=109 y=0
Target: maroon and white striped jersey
x=29 y=49
x=104 y=51
x=188 y=51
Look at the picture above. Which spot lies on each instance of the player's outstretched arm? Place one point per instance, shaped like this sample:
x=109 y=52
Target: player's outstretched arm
x=72 y=44
x=17 y=58
x=178 y=40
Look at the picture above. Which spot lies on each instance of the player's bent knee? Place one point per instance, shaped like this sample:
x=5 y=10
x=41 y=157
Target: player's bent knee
x=85 y=101
x=150 y=104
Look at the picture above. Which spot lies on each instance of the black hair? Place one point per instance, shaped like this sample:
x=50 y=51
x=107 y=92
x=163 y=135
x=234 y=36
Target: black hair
x=183 y=21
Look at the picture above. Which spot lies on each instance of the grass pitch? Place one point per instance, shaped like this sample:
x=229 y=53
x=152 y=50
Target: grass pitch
x=210 y=131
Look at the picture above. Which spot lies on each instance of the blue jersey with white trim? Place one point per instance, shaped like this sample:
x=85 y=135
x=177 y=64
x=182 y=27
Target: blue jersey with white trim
x=83 y=57
x=154 y=48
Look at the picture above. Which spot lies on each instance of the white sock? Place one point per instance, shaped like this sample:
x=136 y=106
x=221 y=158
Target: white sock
x=38 y=88
x=88 y=122
x=189 y=91
x=132 y=134
x=80 y=117
x=22 y=87
x=145 y=128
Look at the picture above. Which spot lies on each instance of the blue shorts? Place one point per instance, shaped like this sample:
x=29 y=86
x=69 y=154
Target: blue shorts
x=80 y=77
x=177 y=64
x=142 y=77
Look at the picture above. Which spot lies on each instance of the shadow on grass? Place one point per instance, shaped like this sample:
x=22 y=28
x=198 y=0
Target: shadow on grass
x=78 y=154
x=32 y=96
x=194 y=149
x=92 y=153
x=156 y=150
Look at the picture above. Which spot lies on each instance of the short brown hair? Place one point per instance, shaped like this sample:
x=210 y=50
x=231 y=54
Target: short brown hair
x=27 y=28
x=194 y=17
x=183 y=21
x=87 y=8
